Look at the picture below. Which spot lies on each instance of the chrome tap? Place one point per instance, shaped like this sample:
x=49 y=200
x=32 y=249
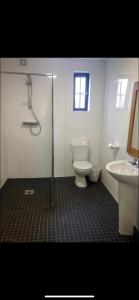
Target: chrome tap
x=135 y=162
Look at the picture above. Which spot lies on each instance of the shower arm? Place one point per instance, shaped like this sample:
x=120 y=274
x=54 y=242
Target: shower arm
x=31 y=74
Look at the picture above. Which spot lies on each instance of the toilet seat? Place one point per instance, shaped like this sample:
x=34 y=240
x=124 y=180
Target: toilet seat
x=82 y=165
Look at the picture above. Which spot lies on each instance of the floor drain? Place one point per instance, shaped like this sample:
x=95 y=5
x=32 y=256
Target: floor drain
x=29 y=192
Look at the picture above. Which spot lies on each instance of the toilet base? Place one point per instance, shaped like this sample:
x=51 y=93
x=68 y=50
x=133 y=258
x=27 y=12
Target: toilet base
x=80 y=181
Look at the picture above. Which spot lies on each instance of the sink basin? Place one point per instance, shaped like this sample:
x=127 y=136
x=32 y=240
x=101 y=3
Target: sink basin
x=124 y=171
x=128 y=179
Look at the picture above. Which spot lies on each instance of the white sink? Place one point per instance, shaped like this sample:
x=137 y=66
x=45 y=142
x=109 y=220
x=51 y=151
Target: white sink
x=128 y=179
x=124 y=171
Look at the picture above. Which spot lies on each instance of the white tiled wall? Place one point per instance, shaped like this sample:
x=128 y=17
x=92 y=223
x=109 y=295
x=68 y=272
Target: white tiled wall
x=116 y=122
x=29 y=156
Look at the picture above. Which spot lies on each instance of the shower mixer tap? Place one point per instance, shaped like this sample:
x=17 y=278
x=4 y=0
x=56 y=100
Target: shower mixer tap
x=28 y=81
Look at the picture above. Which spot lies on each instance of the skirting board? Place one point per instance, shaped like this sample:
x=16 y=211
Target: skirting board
x=3 y=182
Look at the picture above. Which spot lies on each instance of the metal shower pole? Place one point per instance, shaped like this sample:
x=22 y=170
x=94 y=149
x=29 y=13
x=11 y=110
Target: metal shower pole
x=52 y=203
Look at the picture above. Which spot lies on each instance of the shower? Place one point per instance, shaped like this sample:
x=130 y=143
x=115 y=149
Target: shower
x=31 y=124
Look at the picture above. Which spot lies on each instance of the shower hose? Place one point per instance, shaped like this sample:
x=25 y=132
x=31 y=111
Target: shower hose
x=31 y=130
x=31 y=109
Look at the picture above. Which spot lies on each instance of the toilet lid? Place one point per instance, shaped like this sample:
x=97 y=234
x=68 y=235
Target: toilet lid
x=82 y=165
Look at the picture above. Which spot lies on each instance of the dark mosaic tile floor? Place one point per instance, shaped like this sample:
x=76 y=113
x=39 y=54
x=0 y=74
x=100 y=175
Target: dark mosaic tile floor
x=79 y=215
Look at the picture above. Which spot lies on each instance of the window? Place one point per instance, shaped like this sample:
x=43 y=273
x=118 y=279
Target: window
x=81 y=91
x=121 y=93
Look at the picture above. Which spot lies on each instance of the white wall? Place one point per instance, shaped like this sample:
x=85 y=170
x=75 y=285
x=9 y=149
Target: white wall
x=116 y=122
x=85 y=124
x=29 y=156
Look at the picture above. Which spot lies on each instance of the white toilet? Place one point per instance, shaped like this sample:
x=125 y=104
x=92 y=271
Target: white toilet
x=81 y=164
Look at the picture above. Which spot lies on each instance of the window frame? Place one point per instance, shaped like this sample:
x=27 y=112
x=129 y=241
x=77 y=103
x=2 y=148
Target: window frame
x=87 y=76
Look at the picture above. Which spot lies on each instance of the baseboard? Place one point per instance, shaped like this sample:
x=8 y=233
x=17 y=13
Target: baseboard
x=65 y=176
x=3 y=182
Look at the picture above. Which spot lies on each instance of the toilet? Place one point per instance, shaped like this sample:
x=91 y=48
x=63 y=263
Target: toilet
x=81 y=164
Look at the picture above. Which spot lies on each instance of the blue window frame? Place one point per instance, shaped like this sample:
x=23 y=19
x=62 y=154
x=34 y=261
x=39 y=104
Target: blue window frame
x=81 y=91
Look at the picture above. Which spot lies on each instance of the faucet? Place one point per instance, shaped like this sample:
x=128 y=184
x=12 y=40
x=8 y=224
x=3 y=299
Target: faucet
x=135 y=162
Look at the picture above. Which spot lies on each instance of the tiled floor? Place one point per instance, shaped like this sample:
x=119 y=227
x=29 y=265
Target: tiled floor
x=79 y=215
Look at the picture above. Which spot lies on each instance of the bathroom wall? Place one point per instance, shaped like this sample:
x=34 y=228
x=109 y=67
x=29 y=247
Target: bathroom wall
x=85 y=124
x=3 y=160
x=29 y=156
x=116 y=122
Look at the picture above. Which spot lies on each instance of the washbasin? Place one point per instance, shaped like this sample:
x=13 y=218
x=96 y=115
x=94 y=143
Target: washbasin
x=127 y=175
x=124 y=171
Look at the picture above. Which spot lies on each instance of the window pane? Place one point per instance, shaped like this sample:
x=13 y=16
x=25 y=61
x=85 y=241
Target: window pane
x=77 y=100
x=124 y=86
x=121 y=92
x=119 y=87
x=82 y=101
x=77 y=85
x=122 y=100
x=82 y=84
x=118 y=101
